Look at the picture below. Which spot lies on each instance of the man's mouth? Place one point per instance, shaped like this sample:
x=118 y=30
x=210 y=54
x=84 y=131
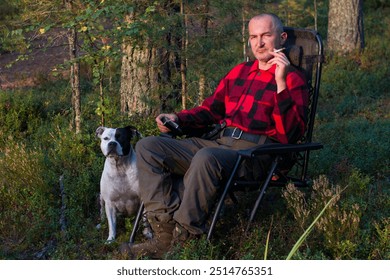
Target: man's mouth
x=261 y=51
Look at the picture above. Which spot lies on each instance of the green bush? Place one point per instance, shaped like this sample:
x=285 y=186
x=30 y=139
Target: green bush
x=359 y=143
x=27 y=199
x=24 y=111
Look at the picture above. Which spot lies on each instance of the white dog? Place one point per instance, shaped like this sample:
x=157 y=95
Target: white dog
x=119 y=188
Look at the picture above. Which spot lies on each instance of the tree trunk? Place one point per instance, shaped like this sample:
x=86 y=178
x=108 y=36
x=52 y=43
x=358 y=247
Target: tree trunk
x=101 y=95
x=202 y=88
x=183 y=63
x=345 y=26
x=205 y=29
x=137 y=80
x=243 y=36
x=74 y=73
x=315 y=15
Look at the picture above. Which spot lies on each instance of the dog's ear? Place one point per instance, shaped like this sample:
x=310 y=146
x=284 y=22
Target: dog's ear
x=134 y=131
x=99 y=131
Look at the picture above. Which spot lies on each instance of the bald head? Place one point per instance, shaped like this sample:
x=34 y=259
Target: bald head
x=276 y=23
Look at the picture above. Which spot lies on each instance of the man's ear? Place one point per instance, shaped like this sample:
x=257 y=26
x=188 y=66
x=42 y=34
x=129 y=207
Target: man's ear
x=283 y=38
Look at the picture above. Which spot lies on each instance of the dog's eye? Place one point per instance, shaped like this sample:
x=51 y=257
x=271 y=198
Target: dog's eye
x=106 y=138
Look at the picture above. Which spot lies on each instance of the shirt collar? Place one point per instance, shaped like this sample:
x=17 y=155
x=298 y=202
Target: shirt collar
x=255 y=67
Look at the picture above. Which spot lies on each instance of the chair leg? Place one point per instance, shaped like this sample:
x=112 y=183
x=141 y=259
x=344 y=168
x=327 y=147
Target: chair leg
x=223 y=196
x=136 y=223
x=262 y=191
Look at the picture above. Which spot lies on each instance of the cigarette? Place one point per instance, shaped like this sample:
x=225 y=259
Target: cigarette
x=279 y=50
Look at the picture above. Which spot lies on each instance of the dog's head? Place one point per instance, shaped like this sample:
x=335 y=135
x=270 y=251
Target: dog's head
x=116 y=141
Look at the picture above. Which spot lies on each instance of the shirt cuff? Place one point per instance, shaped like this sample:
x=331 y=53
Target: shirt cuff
x=283 y=95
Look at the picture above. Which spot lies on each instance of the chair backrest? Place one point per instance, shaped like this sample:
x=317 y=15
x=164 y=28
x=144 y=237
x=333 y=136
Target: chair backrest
x=305 y=50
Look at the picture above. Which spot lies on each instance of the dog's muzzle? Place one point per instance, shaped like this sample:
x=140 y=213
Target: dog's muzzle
x=112 y=148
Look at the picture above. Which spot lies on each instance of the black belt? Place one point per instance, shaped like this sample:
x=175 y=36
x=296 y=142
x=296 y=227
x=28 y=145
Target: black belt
x=236 y=133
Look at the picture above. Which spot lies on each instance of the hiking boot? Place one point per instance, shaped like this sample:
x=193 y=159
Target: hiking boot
x=181 y=235
x=157 y=246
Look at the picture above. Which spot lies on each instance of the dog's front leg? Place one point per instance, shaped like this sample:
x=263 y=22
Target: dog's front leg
x=111 y=218
x=102 y=212
x=147 y=232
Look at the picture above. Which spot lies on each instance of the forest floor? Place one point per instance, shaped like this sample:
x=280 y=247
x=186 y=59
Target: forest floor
x=46 y=54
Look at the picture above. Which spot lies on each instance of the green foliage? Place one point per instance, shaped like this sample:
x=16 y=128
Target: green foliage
x=382 y=250
x=8 y=11
x=353 y=118
x=19 y=114
x=376 y=5
x=194 y=250
x=309 y=229
x=357 y=143
x=27 y=215
x=337 y=227
x=24 y=113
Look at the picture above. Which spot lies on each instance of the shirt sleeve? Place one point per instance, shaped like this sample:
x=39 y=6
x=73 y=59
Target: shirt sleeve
x=290 y=110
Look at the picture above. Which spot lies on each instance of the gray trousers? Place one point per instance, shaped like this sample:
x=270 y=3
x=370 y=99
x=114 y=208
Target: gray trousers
x=179 y=179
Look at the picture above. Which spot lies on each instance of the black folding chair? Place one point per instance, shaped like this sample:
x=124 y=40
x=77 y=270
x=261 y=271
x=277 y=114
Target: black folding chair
x=305 y=51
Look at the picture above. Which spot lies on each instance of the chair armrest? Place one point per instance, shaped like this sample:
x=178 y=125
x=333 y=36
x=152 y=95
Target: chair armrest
x=277 y=148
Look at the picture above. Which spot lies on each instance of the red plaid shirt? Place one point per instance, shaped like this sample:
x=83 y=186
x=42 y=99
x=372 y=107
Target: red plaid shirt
x=246 y=98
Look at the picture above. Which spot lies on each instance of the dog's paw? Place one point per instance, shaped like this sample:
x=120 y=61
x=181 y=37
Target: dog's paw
x=109 y=241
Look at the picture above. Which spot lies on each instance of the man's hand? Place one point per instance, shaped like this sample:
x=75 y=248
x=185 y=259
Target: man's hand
x=282 y=64
x=160 y=124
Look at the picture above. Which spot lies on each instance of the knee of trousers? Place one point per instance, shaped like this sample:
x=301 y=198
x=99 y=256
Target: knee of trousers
x=207 y=163
x=146 y=144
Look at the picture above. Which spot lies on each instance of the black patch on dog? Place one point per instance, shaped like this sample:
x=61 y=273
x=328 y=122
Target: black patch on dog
x=124 y=136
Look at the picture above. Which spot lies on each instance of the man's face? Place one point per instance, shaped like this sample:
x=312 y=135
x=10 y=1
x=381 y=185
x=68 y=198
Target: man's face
x=263 y=38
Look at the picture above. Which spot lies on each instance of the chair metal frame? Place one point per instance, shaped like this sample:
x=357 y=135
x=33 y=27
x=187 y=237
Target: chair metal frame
x=309 y=59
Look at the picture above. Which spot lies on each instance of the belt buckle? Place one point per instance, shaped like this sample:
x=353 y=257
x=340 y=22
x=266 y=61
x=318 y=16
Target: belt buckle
x=234 y=132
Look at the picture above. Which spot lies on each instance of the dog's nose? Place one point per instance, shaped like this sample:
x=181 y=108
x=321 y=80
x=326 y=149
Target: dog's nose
x=112 y=144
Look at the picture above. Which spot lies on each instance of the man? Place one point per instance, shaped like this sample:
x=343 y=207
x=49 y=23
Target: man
x=260 y=101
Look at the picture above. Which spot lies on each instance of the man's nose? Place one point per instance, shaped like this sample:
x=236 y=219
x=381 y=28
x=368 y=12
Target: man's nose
x=259 y=42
